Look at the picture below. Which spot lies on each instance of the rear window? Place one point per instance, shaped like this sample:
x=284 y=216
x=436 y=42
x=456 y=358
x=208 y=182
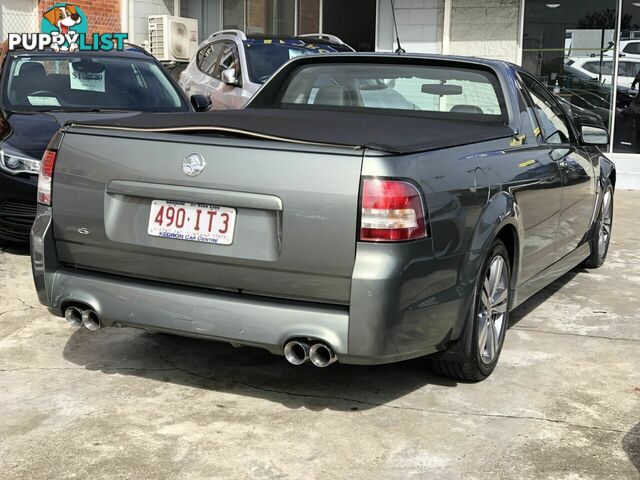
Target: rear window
x=429 y=90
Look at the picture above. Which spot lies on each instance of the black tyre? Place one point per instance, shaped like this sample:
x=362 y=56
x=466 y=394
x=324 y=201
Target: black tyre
x=601 y=231
x=490 y=320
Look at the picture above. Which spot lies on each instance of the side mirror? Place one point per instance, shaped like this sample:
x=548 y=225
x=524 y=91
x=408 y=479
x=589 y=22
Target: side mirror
x=229 y=76
x=594 y=135
x=200 y=103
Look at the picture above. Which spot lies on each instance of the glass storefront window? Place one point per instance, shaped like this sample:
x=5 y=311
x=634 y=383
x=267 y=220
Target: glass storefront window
x=626 y=137
x=233 y=14
x=308 y=16
x=207 y=12
x=271 y=17
x=255 y=17
x=570 y=46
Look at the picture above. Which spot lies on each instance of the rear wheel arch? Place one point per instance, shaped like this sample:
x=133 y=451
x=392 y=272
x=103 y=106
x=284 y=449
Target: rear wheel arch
x=508 y=233
x=499 y=210
x=612 y=178
x=499 y=220
x=601 y=230
x=607 y=172
x=466 y=360
x=502 y=217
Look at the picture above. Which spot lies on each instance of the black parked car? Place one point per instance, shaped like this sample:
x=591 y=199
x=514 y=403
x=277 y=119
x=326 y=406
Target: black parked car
x=43 y=90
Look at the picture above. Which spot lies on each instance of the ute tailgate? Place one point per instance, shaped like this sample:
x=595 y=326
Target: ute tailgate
x=296 y=211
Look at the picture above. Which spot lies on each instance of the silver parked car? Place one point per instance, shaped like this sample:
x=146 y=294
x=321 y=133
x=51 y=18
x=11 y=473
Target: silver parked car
x=363 y=208
x=230 y=67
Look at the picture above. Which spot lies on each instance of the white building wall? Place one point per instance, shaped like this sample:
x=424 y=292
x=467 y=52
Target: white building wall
x=139 y=11
x=485 y=28
x=18 y=16
x=419 y=25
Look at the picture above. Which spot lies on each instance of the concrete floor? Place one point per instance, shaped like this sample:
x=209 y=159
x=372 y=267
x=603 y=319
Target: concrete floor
x=564 y=402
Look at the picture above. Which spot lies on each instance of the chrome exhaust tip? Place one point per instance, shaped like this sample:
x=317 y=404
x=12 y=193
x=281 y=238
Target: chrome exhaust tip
x=73 y=315
x=322 y=355
x=90 y=320
x=296 y=352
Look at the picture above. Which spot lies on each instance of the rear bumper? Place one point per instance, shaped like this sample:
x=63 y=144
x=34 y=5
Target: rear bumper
x=17 y=206
x=402 y=305
x=221 y=316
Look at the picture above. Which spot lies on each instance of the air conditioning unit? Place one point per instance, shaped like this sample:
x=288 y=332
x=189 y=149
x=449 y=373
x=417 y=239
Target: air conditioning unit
x=173 y=39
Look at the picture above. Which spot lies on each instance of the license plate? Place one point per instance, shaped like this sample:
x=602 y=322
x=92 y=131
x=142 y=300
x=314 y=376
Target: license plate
x=196 y=222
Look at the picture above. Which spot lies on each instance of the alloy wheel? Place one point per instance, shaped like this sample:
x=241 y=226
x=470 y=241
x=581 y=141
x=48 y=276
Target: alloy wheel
x=605 y=223
x=492 y=312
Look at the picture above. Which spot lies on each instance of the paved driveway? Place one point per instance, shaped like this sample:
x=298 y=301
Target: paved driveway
x=564 y=402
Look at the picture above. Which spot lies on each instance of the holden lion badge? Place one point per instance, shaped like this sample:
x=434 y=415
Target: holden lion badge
x=193 y=164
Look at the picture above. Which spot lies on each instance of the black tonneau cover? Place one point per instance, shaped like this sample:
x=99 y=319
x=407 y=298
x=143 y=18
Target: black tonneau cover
x=398 y=134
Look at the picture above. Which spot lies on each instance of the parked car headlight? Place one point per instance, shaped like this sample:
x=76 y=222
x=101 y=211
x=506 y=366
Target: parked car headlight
x=15 y=163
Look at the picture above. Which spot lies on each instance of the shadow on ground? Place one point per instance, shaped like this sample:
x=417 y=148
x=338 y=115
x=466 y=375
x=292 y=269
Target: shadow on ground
x=246 y=371
x=21 y=249
x=255 y=372
x=631 y=445
x=542 y=296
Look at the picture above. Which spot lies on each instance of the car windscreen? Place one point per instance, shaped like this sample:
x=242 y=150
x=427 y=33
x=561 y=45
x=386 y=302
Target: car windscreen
x=263 y=59
x=68 y=82
x=430 y=90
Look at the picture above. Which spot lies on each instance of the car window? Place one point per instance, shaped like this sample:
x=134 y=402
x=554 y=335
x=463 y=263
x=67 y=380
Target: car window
x=70 y=82
x=594 y=67
x=208 y=57
x=625 y=69
x=264 y=57
x=633 y=48
x=628 y=69
x=553 y=124
x=622 y=69
x=428 y=89
x=228 y=59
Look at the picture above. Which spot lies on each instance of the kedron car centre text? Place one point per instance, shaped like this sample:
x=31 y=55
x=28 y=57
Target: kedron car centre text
x=64 y=27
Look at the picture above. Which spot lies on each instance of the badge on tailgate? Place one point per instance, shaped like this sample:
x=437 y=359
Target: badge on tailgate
x=196 y=222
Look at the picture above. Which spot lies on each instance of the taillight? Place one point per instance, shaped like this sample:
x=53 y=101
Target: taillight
x=392 y=211
x=46 y=174
x=47 y=165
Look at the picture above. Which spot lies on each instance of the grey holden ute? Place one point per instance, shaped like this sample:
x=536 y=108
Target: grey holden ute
x=364 y=208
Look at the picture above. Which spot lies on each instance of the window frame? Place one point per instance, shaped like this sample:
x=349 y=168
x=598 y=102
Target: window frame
x=214 y=65
x=217 y=74
x=573 y=136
